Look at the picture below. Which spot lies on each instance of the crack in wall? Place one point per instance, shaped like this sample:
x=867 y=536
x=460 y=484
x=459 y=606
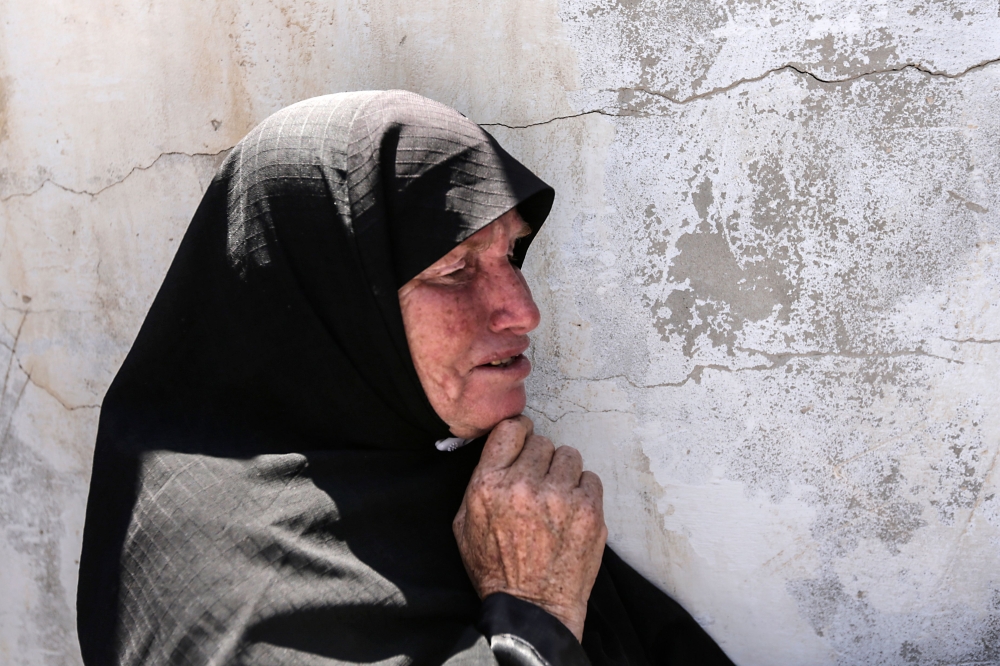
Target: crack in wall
x=777 y=361
x=14 y=360
x=804 y=72
x=94 y=193
x=685 y=100
x=13 y=410
x=601 y=112
x=573 y=411
x=754 y=79
x=976 y=341
x=65 y=405
x=582 y=409
x=784 y=357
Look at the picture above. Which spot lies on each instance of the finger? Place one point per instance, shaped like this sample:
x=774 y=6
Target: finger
x=593 y=489
x=535 y=458
x=566 y=467
x=505 y=443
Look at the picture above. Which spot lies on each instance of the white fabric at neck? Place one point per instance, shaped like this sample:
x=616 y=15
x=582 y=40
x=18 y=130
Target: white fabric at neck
x=451 y=443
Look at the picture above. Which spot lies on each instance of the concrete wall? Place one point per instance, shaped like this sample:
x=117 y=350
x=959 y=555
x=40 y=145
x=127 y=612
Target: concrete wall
x=770 y=284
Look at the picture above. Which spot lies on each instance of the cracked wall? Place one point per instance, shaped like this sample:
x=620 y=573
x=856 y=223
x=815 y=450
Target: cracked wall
x=770 y=284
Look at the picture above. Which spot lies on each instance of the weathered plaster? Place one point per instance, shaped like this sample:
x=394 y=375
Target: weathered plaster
x=770 y=284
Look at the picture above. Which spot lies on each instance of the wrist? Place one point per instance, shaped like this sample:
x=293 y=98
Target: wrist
x=510 y=623
x=572 y=619
x=571 y=616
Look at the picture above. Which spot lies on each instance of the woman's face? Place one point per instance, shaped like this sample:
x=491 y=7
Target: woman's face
x=467 y=319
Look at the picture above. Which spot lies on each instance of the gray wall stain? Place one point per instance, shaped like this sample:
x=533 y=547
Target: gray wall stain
x=794 y=253
x=726 y=286
x=865 y=636
x=770 y=283
x=32 y=500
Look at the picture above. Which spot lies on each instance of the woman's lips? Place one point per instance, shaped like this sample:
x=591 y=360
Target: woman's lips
x=514 y=364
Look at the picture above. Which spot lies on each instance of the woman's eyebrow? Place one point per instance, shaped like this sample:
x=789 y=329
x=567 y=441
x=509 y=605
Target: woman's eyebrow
x=441 y=265
x=473 y=244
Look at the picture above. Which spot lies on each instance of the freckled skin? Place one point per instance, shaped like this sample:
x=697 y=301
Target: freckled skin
x=469 y=308
x=531 y=523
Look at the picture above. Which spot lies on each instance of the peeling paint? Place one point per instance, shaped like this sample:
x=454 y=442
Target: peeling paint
x=770 y=283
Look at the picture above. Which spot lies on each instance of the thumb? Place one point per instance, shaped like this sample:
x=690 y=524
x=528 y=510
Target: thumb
x=505 y=443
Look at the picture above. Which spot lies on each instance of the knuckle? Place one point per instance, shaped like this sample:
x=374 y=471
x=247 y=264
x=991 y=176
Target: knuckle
x=528 y=424
x=593 y=481
x=480 y=490
x=592 y=502
x=507 y=427
x=522 y=490
x=559 y=500
x=543 y=442
x=552 y=494
x=591 y=517
x=570 y=452
x=517 y=424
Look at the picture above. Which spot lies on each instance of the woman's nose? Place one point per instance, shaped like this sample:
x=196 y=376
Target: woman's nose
x=510 y=303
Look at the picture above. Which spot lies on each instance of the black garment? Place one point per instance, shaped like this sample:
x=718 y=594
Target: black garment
x=266 y=488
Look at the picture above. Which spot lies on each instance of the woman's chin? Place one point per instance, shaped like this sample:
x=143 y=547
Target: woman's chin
x=482 y=415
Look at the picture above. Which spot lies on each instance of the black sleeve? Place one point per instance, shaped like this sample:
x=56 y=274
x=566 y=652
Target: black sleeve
x=630 y=621
x=522 y=634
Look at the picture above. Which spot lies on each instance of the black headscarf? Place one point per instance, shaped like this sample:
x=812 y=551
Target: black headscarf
x=265 y=486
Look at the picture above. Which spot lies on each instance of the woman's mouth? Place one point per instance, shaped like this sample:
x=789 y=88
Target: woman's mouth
x=517 y=364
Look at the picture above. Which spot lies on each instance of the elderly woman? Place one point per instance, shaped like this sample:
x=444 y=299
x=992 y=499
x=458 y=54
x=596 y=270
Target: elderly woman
x=314 y=452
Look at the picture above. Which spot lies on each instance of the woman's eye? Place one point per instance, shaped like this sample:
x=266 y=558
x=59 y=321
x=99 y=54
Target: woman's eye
x=456 y=275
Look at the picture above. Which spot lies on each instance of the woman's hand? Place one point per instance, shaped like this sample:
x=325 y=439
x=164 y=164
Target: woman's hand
x=532 y=523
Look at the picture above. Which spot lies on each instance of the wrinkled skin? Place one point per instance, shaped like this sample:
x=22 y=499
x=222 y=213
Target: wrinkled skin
x=532 y=521
x=470 y=308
